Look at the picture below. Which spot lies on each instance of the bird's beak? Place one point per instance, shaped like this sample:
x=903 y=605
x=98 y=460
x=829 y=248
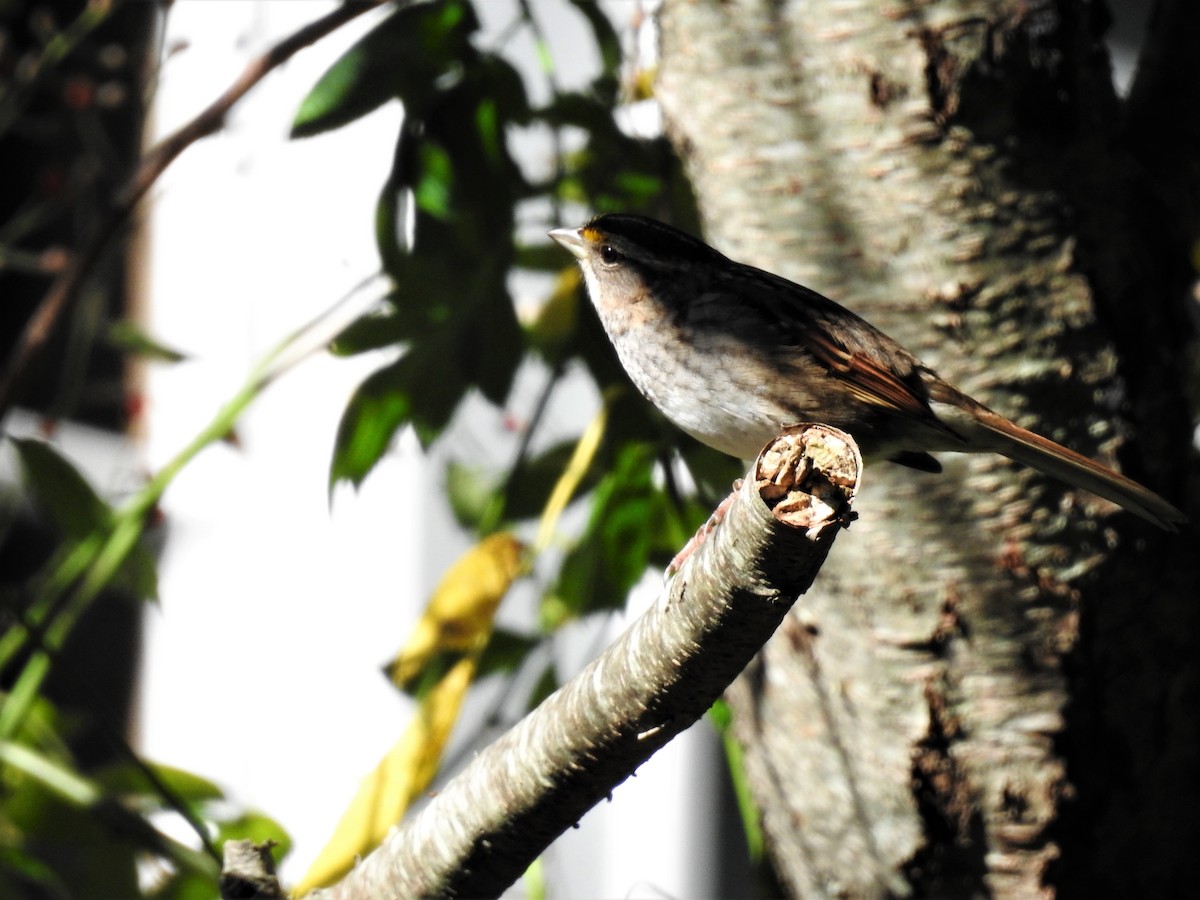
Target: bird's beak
x=572 y=239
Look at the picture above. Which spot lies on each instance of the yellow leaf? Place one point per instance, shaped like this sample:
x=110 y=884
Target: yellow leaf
x=458 y=617
x=453 y=630
x=401 y=776
x=643 y=84
x=568 y=481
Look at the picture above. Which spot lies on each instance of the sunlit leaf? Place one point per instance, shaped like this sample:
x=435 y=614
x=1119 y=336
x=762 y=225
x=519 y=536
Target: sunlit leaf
x=90 y=858
x=401 y=776
x=639 y=187
x=614 y=549
x=376 y=410
x=420 y=389
x=186 y=786
x=256 y=827
x=458 y=617
x=403 y=57
x=435 y=185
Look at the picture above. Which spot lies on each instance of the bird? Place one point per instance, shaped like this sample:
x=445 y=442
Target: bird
x=732 y=354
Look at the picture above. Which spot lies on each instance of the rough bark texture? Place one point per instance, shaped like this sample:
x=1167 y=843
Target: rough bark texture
x=993 y=693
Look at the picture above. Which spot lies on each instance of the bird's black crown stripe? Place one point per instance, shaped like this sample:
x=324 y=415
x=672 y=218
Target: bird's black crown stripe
x=657 y=238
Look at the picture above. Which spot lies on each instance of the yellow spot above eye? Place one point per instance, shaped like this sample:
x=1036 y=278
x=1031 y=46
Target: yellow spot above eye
x=593 y=235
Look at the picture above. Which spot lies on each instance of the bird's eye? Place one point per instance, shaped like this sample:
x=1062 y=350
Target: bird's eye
x=609 y=255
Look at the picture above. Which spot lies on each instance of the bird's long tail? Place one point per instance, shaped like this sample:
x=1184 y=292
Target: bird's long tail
x=1043 y=454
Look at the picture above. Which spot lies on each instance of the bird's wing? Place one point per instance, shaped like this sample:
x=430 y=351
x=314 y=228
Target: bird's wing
x=871 y=381
x=873 y=367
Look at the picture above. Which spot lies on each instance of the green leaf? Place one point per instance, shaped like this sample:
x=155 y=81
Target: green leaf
x=127 y=337
x=21 y=871
x=376 y=411
x=377 y=329
x=640 y=188
x=131 y=779
x=504 y=86
x=453 y=309
x=352 y=87
x=505 y=651
x=435 y=186
x=530 y=487
x=615 y=548
x=582 y=110
x=721 y=717
x=138 y=574
x=713 y=472
x=421 y=389
x=471 y=491
x=78 y=511
x=546 y=685
x=391 y=208
x=256 y=827
x=405 y=56
x=70 y=501
x=90 y=857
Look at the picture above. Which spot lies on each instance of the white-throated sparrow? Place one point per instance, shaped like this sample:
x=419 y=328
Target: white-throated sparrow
x=732 y=354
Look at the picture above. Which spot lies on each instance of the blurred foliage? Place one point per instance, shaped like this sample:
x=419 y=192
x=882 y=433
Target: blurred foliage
x=71 y=834
x=70 y=828
x=457 y=224
x=80 y=814
x=454 y=223
x=71 y=115
x=457 y=621
x=453 y=177
x=448 y=237
x=437 y=666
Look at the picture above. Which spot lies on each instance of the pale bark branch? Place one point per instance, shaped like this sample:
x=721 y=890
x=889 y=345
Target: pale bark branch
x=480 y=833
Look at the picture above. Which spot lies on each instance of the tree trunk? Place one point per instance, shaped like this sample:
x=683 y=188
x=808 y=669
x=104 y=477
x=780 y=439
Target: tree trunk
x=991 y=688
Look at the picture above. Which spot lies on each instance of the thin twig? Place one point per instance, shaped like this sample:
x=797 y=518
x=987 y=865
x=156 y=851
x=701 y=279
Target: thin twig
x=66 y=289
